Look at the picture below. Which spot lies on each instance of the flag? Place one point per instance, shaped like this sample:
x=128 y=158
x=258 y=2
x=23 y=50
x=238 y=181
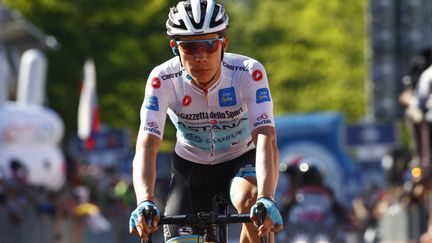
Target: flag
x=88 y=110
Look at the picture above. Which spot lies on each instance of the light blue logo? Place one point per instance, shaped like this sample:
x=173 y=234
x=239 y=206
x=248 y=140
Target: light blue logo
x=151 y=103
x=262 y=95
x=227 y=97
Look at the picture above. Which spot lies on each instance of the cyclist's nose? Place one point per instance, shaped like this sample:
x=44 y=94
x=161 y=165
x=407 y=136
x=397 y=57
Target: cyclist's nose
x=200 y=54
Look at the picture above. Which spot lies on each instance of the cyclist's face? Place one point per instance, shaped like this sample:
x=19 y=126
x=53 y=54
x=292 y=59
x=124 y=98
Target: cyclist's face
x=201 y=59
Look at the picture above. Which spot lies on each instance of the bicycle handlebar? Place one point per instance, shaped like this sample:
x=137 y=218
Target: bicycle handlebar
x=207 y=218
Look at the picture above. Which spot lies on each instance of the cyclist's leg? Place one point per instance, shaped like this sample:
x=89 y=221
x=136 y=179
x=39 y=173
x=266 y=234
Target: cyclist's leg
x=243 y=194
x=179 y=201
x=191 y=191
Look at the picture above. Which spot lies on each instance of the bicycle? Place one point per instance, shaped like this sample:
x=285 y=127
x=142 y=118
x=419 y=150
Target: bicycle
x=216 y=220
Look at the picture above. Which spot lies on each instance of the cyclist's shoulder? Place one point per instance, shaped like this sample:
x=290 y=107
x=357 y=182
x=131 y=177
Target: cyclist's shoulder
x=238 y=62
x=427 y=72
x=169 y=67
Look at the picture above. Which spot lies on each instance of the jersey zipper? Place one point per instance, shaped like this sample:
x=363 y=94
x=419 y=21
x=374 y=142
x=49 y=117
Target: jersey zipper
x=211 y=128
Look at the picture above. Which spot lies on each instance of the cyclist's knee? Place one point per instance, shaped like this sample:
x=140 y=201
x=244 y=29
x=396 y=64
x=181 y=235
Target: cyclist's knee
x=186 y=239
x=243 y=195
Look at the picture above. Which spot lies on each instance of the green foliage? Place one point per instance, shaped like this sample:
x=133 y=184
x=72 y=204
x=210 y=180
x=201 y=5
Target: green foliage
x=313 y=51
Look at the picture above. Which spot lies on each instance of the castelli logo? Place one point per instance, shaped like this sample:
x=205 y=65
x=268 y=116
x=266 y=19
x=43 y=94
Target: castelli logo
x=187 y=100
x=257 y=75
x=213 y=122
x=156 y=83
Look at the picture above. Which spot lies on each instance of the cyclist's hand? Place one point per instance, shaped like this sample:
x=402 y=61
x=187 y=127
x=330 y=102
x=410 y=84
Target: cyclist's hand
x=137 y=222
x=273 y=220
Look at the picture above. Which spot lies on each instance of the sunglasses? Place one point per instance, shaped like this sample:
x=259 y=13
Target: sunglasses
x=196 y=46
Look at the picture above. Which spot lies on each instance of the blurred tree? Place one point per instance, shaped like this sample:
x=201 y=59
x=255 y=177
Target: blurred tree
x=126 y=39
x=314 y=52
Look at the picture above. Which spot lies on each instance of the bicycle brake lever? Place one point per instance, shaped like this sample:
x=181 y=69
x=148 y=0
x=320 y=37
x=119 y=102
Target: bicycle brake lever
x=261 y=213
x=148 y=213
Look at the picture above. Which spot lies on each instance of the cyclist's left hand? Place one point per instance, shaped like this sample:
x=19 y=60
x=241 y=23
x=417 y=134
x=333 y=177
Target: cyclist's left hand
x=273 y=221
x=137 y=222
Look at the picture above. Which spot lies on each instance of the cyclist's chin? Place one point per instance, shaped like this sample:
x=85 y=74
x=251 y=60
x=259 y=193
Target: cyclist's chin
x=202 y=76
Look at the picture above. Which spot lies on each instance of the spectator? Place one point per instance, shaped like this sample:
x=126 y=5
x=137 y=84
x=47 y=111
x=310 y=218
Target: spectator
x=415 y=98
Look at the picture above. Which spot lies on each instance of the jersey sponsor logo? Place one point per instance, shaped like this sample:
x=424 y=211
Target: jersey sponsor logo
x=261 y=120
x=193 y=137
x=171 y=75
x=213 y=122
x=262 y=95
x=227 y=97
x=156 y=83
x=187 y=100
x=235 y=68
x=194 y=116
x=226 y=138
x=210 y=127
x=257 y=75
x=212 y=115
x=151 y=102
x=262 y=117
x=152 y=127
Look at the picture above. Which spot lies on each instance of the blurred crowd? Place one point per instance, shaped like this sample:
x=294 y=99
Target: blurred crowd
x=394 y=212
x=399 y=211
x=94 y=203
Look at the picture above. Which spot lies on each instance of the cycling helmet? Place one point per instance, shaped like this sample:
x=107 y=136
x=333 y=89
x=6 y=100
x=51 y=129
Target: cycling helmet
x=196 y=17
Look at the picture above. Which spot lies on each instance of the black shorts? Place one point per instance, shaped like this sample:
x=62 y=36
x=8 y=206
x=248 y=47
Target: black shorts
x=193 y=187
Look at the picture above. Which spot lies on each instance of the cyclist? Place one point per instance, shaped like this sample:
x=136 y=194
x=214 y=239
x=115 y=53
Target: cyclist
x=417 y=102
x=310 y=206
x=221 y=106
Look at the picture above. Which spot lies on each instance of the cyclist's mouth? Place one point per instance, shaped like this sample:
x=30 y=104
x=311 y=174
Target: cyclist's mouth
x=200 y=70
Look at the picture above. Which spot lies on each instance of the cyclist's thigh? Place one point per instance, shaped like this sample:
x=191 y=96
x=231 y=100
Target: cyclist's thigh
x=185 y=198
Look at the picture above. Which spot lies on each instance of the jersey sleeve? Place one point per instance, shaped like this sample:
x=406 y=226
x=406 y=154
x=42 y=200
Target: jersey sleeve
x=156 y=102
x=423 y=89
x=256 y=92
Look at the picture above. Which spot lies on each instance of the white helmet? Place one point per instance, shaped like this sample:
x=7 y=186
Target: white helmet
x=196 y=17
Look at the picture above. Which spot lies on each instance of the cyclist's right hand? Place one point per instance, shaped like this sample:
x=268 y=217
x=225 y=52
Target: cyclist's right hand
x=139 y=223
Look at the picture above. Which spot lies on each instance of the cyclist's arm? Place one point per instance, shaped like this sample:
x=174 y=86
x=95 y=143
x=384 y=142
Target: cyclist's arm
x=152 y=116
x=267 y=156
x=267 y=159
x=144 y=166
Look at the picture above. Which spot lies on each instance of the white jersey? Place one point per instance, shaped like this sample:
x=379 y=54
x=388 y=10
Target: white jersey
x=423 y=91
x=212 y=125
